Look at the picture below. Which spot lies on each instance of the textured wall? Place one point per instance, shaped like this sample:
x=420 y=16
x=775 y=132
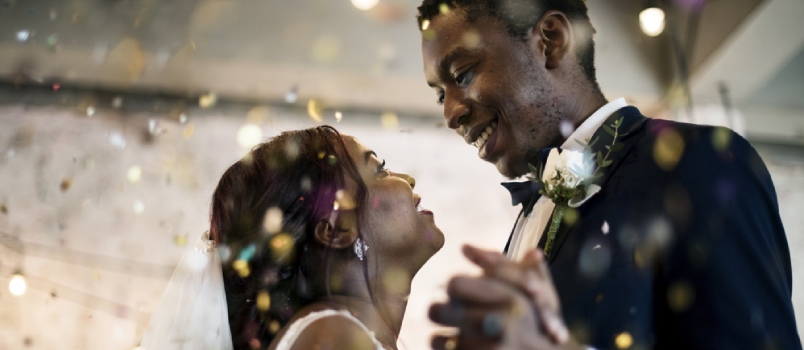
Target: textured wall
x=96 y=267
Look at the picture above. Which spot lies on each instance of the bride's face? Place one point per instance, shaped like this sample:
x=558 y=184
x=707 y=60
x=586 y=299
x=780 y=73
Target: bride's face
x=390 y=221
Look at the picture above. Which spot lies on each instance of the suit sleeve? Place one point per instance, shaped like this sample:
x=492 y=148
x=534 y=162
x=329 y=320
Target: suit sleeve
x=724 y=278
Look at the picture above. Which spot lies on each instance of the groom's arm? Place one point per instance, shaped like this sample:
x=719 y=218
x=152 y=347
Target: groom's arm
x=725 y=279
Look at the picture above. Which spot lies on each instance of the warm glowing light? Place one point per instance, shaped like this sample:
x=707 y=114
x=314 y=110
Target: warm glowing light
x=17 y=285
x=365 y=4
x=624 y=340
x=249 y=135
x=134 y=174
x=651 y=20
x=139 y=207
x=425 y=24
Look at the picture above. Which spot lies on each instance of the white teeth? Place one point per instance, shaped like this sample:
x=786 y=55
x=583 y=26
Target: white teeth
x=480 y=142
x=489 y=129
x=419 y=208
x=484 y=135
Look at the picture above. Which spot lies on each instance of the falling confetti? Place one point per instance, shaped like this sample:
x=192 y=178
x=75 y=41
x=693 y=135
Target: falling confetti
x=721 y=137
x=153 y=127
x=188 y=131
x=65 y=184
x=17 y=285
x=56 y=87
x=257 y=115
x=326 y=49
x=127 y=59
x=263 y=301
x=134 y=174
x=139 y=207
x=605 y=227
x=208 y=100
x=471 y=38
x=90 y=111
x=347 y=202
x=249 y=135
x=566 y=128
x=117 y=102
x=389 y=120
x=338 y=116
x=314 y=109
x=624 y=340
x=182 y=118
x=668 y=149
x=241 y=266
x=680 y=296
x=273 y=220
x=180 y=240
x=281 y=247
x=116 y=140
x=305 y=184
x=22 y=36
x=425 y=24
x=396 y=280
x=443 y=8
x=292 y=95
x=274 y=327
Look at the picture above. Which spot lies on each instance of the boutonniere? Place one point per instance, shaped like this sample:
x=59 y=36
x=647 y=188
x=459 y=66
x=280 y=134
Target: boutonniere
x=568 y=177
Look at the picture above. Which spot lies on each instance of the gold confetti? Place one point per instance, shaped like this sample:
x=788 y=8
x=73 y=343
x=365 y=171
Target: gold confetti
x=139 y=207
x=274 y=327
x=428 y=34
x=180 y=241
x=257 y=115
x=443 y=8
x=338 y=116
x=425 y=24
x=451 y=344
x=208 y=100
x=65 y=184
x=314 y=109
x=263 y=301
x=241 y=266
x=471 y=38
x=570 y=216
x=282 y=247
x=345 y=200
x=249 y=135
x=721 y=138
x=321 y=155
x=624 y=340
x=134 y=174
x=680 y=296
x=273 y=220
x=326 y=49
x=127 y=59
x=389 y=120
x=188 y=131
x=396 y=280
x=668 y=149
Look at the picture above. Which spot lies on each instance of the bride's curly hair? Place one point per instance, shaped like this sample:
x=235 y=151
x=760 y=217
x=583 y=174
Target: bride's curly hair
x=299 y=172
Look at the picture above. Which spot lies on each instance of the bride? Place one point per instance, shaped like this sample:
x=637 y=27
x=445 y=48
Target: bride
x=317 y=243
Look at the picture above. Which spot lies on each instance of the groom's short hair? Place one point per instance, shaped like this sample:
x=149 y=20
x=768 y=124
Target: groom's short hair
x=520 y=16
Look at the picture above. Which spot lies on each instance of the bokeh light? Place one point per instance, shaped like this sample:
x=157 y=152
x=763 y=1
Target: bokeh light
x=17 y=285
x=365 y=4
x=651 y=20
x=249 y=136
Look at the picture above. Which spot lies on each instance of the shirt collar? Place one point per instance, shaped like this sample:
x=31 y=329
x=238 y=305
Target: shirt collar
x=591 y=124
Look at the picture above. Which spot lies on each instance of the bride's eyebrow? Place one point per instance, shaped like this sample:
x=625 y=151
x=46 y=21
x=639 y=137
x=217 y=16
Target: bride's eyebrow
x=368 y=155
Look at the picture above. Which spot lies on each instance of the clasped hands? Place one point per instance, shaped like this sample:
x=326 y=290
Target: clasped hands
x=513 y=305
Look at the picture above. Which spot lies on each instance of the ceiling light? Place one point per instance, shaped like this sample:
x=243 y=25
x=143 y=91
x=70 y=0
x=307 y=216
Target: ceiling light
x=651 y=20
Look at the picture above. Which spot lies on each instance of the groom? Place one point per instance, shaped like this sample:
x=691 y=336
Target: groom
x=681 y=248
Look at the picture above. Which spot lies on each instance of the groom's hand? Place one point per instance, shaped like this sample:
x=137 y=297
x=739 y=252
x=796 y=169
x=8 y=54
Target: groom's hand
x=503 y=308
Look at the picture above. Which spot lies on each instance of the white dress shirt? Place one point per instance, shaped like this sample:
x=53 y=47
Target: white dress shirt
x=529 y=229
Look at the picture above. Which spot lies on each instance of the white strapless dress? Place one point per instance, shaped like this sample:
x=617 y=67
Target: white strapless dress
x=298 y=326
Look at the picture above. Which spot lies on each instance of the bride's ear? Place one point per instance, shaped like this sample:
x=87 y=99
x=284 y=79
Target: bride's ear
x=338 y=233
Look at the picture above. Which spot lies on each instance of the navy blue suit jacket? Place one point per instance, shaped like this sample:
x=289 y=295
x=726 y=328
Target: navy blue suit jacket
x=695 y=255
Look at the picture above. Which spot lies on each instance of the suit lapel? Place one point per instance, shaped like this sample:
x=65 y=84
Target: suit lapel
x=632 y=122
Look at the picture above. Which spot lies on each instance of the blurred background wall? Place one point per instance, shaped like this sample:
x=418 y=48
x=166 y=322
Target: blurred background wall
x=117 y=118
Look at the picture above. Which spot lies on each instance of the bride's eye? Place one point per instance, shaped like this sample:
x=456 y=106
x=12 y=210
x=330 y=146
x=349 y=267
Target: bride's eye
x=381 y=169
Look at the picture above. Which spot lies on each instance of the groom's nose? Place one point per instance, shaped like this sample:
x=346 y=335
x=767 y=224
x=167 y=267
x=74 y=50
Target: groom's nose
x=455 y=109
x=407 y=178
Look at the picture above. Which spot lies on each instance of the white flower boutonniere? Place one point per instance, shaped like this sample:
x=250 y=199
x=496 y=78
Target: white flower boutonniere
x=567 y=177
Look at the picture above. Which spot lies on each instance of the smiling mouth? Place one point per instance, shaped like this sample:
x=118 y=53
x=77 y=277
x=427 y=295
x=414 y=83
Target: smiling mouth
x=420 y=208
x=483 y=138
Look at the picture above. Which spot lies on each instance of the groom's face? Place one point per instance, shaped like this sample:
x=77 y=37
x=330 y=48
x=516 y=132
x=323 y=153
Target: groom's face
x=495 y=90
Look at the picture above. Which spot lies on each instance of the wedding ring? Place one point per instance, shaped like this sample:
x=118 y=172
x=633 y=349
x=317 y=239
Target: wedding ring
x=492 y=325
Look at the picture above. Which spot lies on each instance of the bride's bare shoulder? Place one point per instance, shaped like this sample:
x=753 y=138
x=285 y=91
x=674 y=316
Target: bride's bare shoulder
x=324 y=329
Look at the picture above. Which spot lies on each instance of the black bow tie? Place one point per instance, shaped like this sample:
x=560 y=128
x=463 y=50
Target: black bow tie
x=527 y=192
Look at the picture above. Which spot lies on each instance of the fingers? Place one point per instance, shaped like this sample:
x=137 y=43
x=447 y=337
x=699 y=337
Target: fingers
x=481 y=290
x=455 y=342
x=471 y=320
x=482 y=258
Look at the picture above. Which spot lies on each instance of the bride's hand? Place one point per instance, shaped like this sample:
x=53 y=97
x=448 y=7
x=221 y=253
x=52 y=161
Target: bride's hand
x=531 y=276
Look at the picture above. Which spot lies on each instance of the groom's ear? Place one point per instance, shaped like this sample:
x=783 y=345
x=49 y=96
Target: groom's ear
x=338 y=233
x=553 y=38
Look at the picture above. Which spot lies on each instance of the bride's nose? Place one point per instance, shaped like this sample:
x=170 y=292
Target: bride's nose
x=407 y=178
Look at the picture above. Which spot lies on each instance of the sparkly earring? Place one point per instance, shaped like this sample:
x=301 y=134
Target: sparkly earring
x=360 y=248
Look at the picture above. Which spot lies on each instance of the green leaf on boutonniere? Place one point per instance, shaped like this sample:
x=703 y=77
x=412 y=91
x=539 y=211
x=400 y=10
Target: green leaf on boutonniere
x=616 y=147
x=608 y=129
x=620 y=121
x=583 y=144
x=533 y=169
x=606 y=164
x=599 y=160
x=593 y=142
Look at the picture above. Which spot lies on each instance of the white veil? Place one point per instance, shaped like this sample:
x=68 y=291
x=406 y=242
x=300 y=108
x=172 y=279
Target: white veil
x=192 y=313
